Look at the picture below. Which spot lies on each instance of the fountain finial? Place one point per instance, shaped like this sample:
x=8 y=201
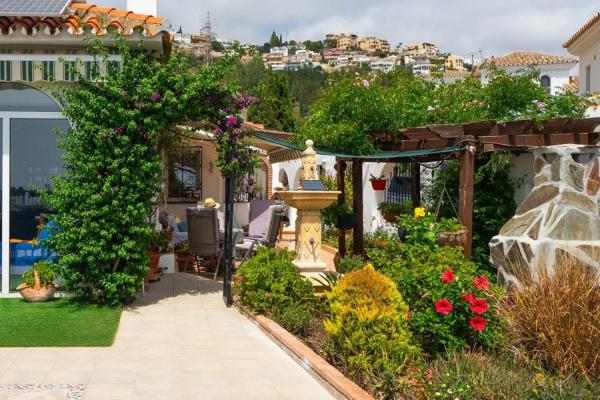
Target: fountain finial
x=309 y=162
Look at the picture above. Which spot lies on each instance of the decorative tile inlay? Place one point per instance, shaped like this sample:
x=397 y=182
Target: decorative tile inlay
x=49 y=391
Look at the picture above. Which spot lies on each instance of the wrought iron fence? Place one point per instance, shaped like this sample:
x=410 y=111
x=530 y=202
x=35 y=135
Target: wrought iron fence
x=399 y=188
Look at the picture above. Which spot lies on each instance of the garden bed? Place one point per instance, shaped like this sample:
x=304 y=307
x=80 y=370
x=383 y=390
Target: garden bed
x=57 y=323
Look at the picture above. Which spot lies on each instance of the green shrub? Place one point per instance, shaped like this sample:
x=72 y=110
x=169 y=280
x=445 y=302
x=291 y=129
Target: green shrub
x=46 y=271
x=436 y=282
x=367 y=328
x=297 y=318
x=350 y=263
x=269 y=282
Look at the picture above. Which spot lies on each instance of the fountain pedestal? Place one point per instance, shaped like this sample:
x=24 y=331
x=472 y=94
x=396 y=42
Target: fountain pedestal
x=308 y=222
x=308 y=227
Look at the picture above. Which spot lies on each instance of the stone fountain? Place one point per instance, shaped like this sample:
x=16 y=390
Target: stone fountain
x=560 y=216
x=309 y=204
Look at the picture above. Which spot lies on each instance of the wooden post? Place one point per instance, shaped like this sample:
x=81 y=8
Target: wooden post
x=415 y=169
x=358 y=245
x=341 y=186
x=465 y=196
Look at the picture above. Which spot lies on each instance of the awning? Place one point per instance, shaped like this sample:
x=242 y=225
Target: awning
x=281 y=150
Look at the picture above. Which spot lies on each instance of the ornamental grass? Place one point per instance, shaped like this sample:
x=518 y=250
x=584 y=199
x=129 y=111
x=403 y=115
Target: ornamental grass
x=554 y=320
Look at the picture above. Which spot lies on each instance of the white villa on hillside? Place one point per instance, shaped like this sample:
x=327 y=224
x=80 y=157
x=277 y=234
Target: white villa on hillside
x=556 y=71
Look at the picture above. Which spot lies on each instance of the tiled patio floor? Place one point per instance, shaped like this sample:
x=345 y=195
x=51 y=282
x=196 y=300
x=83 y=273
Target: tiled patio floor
x=177 y=342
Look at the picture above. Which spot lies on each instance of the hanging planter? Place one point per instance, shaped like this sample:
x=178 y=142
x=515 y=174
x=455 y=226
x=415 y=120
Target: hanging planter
x=452 y=239
x=378 y=183
x=346 y=221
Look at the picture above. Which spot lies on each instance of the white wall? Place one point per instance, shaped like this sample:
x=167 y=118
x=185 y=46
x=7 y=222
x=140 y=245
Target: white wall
x=591 y=57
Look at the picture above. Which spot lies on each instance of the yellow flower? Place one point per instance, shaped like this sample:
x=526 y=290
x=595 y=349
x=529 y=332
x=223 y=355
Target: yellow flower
x=420 y=212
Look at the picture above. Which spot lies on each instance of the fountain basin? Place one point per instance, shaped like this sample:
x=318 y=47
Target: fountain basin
x=308 y=200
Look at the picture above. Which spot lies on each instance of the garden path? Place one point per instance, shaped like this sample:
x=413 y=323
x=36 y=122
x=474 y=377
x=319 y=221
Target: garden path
x=179 y=341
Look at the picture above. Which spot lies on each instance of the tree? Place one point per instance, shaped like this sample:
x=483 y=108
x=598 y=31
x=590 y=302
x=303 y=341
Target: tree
x=121 y=123
x=330 y=43
x=247 y=76
x=316 y=46
x=217 y=46
x=275 y=110
x=305 y=86
x=275 y=40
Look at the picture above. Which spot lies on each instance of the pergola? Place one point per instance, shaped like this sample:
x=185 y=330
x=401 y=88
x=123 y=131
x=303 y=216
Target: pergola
x=436 y=143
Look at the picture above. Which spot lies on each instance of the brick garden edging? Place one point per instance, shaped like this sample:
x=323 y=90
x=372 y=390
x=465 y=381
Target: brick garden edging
x=328 y=376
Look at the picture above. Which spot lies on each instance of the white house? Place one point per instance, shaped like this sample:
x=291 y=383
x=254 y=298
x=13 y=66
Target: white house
x=585 y=44
x=555 y=71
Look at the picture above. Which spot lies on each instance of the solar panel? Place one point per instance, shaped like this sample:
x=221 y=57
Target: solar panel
x=312 y=185
x=33 y=8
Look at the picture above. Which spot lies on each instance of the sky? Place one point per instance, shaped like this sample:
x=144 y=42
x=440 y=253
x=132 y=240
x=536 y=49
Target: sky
x=462 y=27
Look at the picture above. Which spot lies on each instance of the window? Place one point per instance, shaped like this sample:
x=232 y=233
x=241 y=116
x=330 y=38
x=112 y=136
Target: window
x=70 y=71
x=48 y=71
x=27 y=71
x=588 y=79
x=91 y=70
x=5 y=71
x=185 y=174
x=545 y=81
x=112 y=67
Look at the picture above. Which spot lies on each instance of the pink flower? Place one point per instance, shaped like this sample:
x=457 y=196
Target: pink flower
x=447 y=276
x=430 y=374
x=478 y=323
x=443 y=306
x=479 y=306
x=468 y=298
x=365 y=83
x=482 y=283
x=412 y=382
x=156 y=97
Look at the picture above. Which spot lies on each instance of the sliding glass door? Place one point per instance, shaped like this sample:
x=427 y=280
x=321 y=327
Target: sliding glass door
x=30 y=158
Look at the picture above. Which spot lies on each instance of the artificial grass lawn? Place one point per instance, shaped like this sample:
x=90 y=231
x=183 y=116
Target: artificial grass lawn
x=56 y=323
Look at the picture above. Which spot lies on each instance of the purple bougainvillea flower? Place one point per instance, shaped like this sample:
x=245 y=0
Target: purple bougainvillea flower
x=119 y=131
x=156 y=97
x=125 y=94
x=218 y=131
x=232 y=122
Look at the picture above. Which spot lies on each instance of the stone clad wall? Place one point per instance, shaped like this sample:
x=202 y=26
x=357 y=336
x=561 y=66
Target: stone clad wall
x=560 y=215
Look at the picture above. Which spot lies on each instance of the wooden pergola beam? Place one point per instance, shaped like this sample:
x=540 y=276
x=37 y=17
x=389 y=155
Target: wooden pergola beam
x=465 y=197
x=341 y=186
x=358 y=244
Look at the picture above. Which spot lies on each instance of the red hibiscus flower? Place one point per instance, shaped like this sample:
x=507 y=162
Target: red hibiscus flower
x=478 y=323
x=468 y=298
x=482 y=283
x=479 y=306
x=408 y=315
x=443 y=306
x=447 y=276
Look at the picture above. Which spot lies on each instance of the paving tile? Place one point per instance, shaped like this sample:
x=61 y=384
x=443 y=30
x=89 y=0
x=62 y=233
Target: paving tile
x=177 y=342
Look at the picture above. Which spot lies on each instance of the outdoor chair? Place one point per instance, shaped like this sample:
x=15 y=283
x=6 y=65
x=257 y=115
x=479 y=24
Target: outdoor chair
x=259 y=214
x=274 y=220
x=203 y=234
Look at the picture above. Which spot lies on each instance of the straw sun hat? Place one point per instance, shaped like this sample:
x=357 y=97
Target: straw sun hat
x=209 y=202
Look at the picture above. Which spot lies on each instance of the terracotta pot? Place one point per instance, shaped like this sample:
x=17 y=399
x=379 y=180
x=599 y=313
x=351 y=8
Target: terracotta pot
x=390 y=216
x=452 y=239
x=154 y=261
x=183 y=260
x=378 y=184
x=39 y=293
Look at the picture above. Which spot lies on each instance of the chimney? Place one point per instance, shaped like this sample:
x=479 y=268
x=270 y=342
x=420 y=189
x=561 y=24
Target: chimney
x=143 y=6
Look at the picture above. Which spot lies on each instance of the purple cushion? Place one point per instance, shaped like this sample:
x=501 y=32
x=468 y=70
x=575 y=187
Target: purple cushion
x=258 y=217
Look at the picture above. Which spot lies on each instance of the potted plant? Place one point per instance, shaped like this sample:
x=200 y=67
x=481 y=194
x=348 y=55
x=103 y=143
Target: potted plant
x=183 y=257
x=391 y=211
x=157 y=242
x=39 y=283
x=450 y=233
x=378 y=183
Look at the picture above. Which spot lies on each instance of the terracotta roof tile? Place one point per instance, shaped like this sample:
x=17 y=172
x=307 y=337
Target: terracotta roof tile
x=82 y=14
x=573 y=85
x=581 y=31
x=524 y=58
